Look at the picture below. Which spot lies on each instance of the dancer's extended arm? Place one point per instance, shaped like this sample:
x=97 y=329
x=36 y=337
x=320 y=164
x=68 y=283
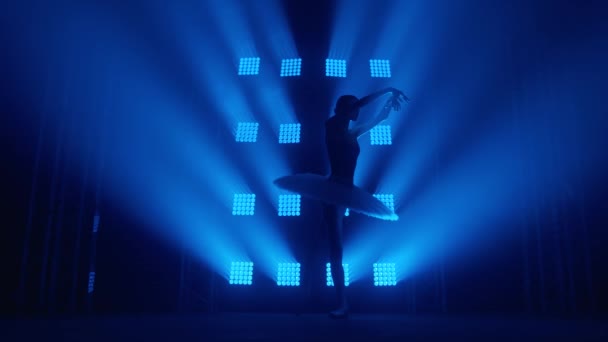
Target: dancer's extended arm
x=361 y=129
x=392 y=103
x=364 y=101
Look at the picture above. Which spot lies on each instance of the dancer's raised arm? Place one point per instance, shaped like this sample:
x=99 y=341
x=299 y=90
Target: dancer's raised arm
x=373 y=96
x=394 y=103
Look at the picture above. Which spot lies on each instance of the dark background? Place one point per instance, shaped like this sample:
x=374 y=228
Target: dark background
x=555 y=267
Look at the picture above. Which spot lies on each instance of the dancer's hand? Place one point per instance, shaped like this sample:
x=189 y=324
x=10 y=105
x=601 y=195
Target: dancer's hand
x=399 y=94
x=395 y=102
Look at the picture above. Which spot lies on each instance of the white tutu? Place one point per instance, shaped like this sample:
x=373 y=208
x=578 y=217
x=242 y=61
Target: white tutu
x=323 y=189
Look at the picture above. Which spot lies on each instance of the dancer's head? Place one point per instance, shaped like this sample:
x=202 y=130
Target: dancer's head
x=344 y=107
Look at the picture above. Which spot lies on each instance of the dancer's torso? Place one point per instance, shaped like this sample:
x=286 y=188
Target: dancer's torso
x=343 y=150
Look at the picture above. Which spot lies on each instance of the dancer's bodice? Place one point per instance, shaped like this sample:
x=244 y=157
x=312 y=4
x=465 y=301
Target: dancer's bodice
x=343 y=150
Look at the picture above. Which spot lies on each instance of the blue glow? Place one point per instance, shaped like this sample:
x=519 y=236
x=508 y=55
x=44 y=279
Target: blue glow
x=228 y=22
x=264 y=240
x=335 y=68
x=330 y=280
x=396 y=38
x=266 y=22
x=289 y=205
x=288 y=274
x=380 y=68
x=247 y=132
x=484 y=170
x=241 y=273
x=178 y=177
x=249 y=66
x=385 y=274
x=348 y=30
x=243 y=205
x=289 y=133
x=271 y=26
x=291 y=67
x=381 y=135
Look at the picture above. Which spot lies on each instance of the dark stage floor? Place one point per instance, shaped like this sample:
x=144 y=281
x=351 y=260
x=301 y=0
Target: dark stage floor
x=307 y=327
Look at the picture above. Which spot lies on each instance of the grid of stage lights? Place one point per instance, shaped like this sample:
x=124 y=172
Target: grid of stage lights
x=289 y=133
x=241 y=273
x=289 y=205
x=335 y=68
x=330 y=280
x=381 y=135
x=288 y=274
x=291 y=67
x=380 y=68
x=249 y=66
x=385 y=274
x=243 y=205
x=247 y=132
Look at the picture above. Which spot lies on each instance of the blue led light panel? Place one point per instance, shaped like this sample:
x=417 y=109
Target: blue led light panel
x=289 y=274
x=249 y=66
x=289 y=205
x=380 y=68
x=243 y=204
x=385 y=274
x=289 y=133
x=335 y=68
x=247 y=132
x=330 y=280
x=291 y=67
x=241 y=273
x=388 y=200
x=381 y=135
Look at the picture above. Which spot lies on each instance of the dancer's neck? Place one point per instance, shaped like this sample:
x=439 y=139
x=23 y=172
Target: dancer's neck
x=342 y=122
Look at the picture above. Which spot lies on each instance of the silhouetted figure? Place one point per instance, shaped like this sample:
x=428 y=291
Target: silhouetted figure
x=338 y=191
x=343 y=151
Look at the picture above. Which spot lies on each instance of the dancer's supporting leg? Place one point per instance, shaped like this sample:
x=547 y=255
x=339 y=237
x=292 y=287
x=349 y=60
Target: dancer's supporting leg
x=334 y=217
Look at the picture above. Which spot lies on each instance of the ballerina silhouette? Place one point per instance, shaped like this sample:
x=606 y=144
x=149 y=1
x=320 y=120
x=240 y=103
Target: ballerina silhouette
x=337 y=191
